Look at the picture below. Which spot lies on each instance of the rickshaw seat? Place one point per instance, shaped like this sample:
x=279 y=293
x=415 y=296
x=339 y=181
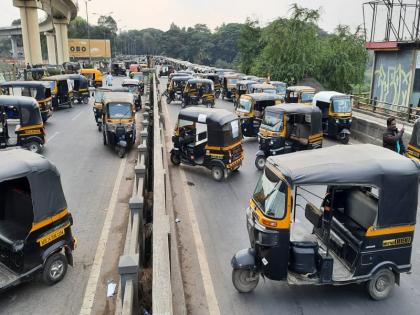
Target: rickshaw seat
x=11 y=232
x=361 y=208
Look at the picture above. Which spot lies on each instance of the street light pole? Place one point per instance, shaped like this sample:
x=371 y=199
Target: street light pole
x=88 y=29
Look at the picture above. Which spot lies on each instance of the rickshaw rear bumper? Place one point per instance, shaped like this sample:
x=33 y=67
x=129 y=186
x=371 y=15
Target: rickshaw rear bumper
x=244 y=259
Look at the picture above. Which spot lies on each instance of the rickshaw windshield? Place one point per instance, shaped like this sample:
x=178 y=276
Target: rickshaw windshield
x=244 y=105
x=341 y=105
x=307 y=97
x=272 y=121
x=132 y=88
x=138 y=77
x=119 y=110
x=281 y=89
x=98 y=96
x=270 y=195
x=269 y=91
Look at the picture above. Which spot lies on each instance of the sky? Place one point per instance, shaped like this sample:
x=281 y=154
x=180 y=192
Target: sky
x=140 y=14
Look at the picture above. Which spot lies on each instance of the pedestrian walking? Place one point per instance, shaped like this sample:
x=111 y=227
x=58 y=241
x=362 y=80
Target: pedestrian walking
x=392 y=138
x=109 y=79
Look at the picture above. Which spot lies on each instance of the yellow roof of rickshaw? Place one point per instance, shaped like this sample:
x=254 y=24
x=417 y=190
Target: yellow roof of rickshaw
x=301 y=88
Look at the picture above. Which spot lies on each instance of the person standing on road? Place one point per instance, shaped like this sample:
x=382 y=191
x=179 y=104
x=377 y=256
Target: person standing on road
x=109 y=79
x=392 y=138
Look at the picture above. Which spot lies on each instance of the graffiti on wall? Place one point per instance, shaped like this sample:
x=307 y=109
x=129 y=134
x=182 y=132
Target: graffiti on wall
x=392 y=77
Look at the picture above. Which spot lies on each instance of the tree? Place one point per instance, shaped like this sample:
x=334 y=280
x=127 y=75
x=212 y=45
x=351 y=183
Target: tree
x=249 y=45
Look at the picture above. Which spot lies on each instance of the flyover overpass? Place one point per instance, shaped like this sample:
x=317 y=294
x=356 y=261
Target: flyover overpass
x=59 y=14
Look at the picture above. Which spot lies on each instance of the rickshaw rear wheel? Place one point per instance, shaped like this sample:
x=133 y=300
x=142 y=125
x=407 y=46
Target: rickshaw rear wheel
x=244 y=280
x=34 y=146
x=260 y=162
x=55 y=268
x=175 y=159
x=345 y=139
x=121 y=152
x=381 y=285
x=218 y=173
x=85 y=100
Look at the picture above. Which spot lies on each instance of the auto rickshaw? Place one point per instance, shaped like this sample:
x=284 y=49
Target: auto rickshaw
x=263 y=88
x=62 y=90
x=30 y=133
x=133 y=86
x=413 y=148
x=71 y=67
x=299 y=94
x=280 y=87
x=197 y=90
x=94 y=77
x=80 y=88
x=35 y=224
x=288 y=128
x=39 y=90
x=98 y=103
x=242 y=87
x=176 y=88
x=358 y=223
x=216 y=82
x=336 y=111
x=118 y=68
x=140 y=77
x=210 y=138
x=250 y=111
x=229 y=85
x=118 y=121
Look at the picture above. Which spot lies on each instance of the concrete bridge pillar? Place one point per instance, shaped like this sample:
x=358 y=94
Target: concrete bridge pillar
x=30 y=30
x=62 y=40
x=52 y=56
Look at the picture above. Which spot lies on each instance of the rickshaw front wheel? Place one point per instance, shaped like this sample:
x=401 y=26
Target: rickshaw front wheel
x=55 y=268
x=175 y=159
x=85 y=100
x=260 y=162
x=244 y=280
x=33 y=146
x=218 y=173
x=381 y=285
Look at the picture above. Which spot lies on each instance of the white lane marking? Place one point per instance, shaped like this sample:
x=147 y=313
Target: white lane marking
x=53 y=136
x=95 y=271
x=75 y=117
x=212 y=303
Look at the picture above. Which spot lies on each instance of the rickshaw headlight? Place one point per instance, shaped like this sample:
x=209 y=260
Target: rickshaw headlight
x=337 y=121
x=271 y=142
x=350 y=120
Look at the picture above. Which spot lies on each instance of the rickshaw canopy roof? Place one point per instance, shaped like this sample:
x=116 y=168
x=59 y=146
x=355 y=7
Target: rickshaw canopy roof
x=181 y=78
x=59 y=77
x=263 y=86
x=415 y=136
x=245 y=82
x=18 y=101
x=44 y=180
x=118 y=97
x=300 y=88
x=327 y=96
x=394 y=175
x=31 y=115
x=130 y=82
x=209 y=116
x=202 y=81
x=278 y=83
x=29 y=84
x=257 y=97
x=90 y=70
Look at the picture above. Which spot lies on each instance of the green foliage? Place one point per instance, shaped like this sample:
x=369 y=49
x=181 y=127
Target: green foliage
x=249 y=45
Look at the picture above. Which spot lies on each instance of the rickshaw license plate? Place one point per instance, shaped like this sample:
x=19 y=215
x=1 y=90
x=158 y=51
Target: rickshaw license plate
x=50 y=237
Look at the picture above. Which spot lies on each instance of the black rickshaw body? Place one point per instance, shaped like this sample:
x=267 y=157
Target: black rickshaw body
x=80 y=88
x=118 y=121
x=118 y=68
x=39 y=90
x=216 y=81
x=134 y=87
x=263 y=88
x=299 y=94
x=336 y=111
x=35 y=223
x=99 y=99
x=30 y=132
x=288 y=128
x=199 y=91
x=229 y=85
x=413 y=148
x=71 y=67
x=242 y=87
x=210 y=138
x=62 y=90
x=362 y=231
x=140 y=77
x=250 y=110
x=176 y=86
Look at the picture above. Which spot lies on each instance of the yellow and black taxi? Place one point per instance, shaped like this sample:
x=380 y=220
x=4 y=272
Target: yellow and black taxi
x=288 y=128
x=133 y=86
x=413 y=148
x=198 y=91
x=39 y=90
x=299 y=94
x=80 y=88
x=62 y=90
x=94 y=76
x=242 y=87
x=35 y=223
x=30 y=132
x=356 y=224
x=98 y=101
x=210 y=138
x=336 y=111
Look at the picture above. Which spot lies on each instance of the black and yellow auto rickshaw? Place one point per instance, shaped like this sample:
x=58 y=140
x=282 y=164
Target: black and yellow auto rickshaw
x=280 y=87
x=94 y=76
x=229 y=85
x=413 y=148
x=263 y=88
x=358 y=223
x=62 y=90
x=288 y=128
x=35 y=224
x=80 y=88
x=336 y=111
x=299 y=94
x=39 y=90
x=98 y=102
x=118 y=121
x=71 y=67
x=118 y=68
x=198 y=90
x=216 y=82
x=133 y=87
x=175 y=91
x=210 y=138
x=242 y=87
x=30 y=133
x=250 y=110
x=140 y=77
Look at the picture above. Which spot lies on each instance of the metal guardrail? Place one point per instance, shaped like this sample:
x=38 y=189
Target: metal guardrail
x=404 y=113
x=150 y=176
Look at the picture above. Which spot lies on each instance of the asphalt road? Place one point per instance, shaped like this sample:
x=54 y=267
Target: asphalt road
x=88 y=171
x=220 y=212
